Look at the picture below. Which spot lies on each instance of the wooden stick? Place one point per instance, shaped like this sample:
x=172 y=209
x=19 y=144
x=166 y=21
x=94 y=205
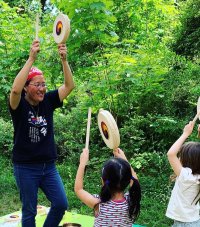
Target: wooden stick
x=88 y=128
x=198 y=134
x=194 y=120
x=37 y=26
x=196 y=117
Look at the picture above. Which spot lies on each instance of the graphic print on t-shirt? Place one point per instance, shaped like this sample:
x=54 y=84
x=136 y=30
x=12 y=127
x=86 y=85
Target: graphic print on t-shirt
x=38 y=127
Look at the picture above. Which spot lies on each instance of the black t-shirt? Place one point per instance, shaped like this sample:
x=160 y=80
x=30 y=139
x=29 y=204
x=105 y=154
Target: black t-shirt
x=33 y=130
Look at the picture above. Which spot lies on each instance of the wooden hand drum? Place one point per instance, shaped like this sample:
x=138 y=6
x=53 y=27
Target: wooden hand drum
x=61 y=28
x=108 y=129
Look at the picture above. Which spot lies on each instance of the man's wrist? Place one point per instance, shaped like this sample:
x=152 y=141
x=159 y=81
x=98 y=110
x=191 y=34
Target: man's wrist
x=63 y=59
x=31 y=60
x=82 y=165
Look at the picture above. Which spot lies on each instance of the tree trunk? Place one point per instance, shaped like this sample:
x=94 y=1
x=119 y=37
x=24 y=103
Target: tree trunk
x=43 y=2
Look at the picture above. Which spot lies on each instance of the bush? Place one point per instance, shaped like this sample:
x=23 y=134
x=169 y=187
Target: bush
x=153 y=171
x=6 y=137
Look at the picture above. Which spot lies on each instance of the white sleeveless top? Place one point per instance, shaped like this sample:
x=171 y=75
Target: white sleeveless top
x=181 y=205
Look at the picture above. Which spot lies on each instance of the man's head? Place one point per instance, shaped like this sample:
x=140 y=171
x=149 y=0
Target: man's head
x=35 y=87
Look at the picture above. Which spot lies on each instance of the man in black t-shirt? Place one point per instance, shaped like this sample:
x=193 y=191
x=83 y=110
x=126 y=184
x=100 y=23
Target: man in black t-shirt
x=34 y=151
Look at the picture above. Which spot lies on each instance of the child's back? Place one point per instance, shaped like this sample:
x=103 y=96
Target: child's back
x=113 y=212
x=184 y=159
x=182 y=205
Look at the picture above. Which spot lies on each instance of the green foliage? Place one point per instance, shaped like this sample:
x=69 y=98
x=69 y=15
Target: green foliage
x=70 y=133
x=182 y=89
x=187 y=39
x=14 y=42
x=151 y=133
x=145 y=20
x=8 y=188
x=152 y=168
x=121 y=60
x=153 y=171
x=6 y=137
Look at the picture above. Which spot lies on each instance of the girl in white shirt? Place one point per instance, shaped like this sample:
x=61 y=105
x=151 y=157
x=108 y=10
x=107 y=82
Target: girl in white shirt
x=184 y=159
x=112 y=206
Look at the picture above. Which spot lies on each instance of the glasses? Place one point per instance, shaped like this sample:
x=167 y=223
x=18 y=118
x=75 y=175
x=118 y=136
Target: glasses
x=38 y=85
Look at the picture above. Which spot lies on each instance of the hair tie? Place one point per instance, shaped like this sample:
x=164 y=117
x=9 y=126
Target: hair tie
x=132 y=178
x=107 y=182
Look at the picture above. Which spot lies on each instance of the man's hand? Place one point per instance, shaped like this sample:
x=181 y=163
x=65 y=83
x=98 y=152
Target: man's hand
x=35 y=49
x=62 y=50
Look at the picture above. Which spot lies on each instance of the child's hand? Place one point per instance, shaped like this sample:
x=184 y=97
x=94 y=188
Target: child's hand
x=84 y=157
x=118 y=153
x=188 y=128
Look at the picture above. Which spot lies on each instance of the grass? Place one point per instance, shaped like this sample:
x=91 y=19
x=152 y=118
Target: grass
x=155 y=189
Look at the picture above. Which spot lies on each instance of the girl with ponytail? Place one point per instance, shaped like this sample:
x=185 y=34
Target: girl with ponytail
x=113 y=206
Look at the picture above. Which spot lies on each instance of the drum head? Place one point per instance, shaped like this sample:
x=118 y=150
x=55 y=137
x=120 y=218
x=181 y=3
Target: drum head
x=61 y=28
x=108 y=129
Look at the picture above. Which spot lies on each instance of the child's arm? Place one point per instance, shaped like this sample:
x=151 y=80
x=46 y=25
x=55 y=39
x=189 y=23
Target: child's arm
x=83 y=195
x=118 y=153
x=175 y=148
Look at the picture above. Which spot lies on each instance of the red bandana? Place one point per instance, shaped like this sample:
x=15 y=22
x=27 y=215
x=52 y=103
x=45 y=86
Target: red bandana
x=34 y=72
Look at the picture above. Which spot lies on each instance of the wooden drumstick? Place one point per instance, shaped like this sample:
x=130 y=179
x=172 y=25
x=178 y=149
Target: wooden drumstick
x=196 y=117
x=194 y=121
x=37 y=26
x=198 y=134
x=88 y=128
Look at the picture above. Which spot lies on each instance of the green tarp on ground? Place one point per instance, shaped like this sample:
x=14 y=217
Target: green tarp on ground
x=84 y=220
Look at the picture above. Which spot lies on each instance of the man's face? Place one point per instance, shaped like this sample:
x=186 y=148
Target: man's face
x=36 y=89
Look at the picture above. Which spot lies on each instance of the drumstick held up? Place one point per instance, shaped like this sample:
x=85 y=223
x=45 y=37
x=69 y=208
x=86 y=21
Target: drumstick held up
x=88 y=128
x=37 y=26
x=196 y=117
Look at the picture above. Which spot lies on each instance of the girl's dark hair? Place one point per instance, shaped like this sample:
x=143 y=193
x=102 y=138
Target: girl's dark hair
x=116 y=175
x=190 y=157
